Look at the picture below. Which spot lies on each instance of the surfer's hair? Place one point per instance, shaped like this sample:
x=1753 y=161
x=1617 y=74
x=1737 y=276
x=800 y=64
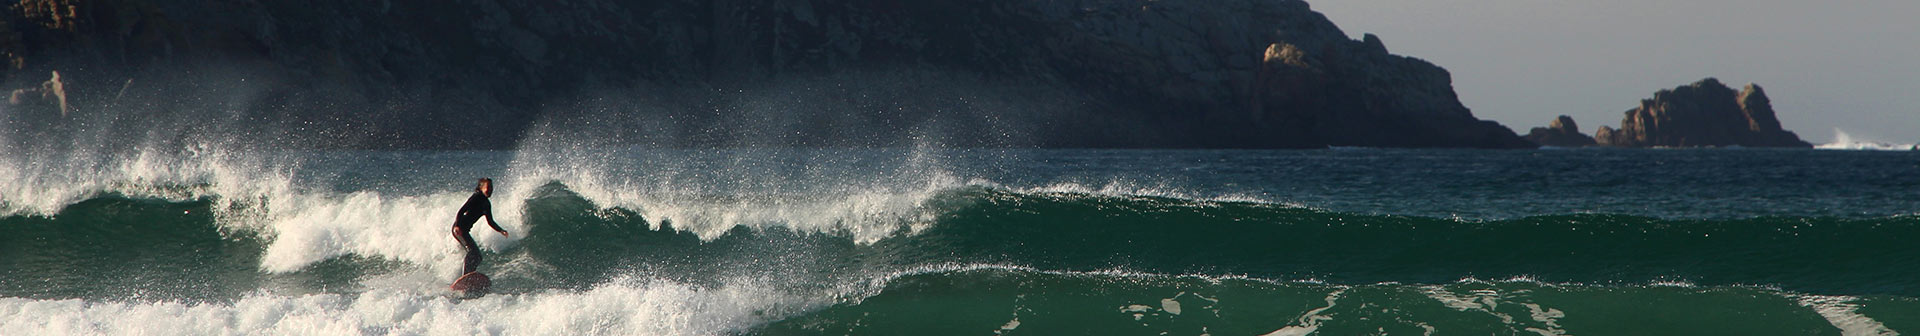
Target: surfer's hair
x=483 y=182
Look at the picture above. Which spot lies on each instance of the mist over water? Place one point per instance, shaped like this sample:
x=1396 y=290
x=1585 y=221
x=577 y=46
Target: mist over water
x=628 y=218
x=1844 y=141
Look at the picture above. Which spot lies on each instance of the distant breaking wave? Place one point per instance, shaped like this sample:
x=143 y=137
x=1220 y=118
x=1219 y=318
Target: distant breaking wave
x=1844 y=141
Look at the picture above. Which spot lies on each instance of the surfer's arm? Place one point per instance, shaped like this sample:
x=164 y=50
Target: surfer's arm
x=496 y=226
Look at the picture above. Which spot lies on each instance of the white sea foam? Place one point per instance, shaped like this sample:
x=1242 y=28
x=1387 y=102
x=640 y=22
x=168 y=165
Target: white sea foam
x=1676 y=283
x=1544 y=320
x=1844 y=141
x=625 y=307
x=1310 y=322
x=1843 y=314
x=1131 y=189
x=881 y=281
x=306 y=228
x=1484 y=300
x=1548 y=316
x=413 y=229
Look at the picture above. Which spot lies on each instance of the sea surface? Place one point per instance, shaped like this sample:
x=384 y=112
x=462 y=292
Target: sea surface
x=209 y=240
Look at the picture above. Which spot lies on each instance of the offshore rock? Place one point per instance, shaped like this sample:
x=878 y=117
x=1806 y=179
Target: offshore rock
x=1561 y=132
x=1703 y=114
x=1119 y=73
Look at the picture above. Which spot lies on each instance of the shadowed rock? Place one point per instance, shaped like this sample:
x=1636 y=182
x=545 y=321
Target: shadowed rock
x=1703 y=114
x=1561 y=132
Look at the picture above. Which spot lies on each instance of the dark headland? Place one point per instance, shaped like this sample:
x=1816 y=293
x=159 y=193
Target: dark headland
x=1703 y=114
x=476 y=74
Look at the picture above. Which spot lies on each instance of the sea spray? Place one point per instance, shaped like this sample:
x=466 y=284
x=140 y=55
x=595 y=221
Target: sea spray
x=1844 y=141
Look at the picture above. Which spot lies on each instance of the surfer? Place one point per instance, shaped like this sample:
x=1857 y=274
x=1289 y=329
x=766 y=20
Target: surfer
x=476 y=207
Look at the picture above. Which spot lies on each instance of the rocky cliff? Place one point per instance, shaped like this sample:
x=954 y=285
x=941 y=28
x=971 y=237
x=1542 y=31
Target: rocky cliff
x=1703 y=114
x=1561 y=132
x=471 y=73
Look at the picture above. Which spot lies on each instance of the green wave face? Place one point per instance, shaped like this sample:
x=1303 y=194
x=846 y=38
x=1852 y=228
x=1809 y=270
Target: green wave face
x=117 y=247
x=1851 y=256
x=1021 y=301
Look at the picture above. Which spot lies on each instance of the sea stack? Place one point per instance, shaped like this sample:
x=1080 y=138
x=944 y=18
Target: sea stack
x=1562 y=132
x=1703 y=114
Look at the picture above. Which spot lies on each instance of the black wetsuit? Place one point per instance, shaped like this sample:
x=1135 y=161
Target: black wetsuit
x=476 y=207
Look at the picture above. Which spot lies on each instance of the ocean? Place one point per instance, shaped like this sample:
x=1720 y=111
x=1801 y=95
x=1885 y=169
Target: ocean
x=209 y=240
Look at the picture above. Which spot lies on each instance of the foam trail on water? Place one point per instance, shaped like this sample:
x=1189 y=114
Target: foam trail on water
x=1310 y=322
x=623 y=307
x=1842 y=312
x=1132 y=189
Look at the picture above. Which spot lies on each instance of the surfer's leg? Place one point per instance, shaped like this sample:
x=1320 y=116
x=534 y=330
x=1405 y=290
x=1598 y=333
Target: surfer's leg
x=472 y=250
x=473 y=259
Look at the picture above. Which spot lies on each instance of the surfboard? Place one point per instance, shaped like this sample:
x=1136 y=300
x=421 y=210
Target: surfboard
x=472 y=284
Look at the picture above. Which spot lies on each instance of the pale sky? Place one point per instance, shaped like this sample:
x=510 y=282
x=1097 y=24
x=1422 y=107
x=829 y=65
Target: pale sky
x=1847 y=64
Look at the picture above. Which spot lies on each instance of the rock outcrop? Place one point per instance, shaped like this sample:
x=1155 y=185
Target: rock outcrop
x=1124 y=73
x=1703 y=114
x=1561 y=132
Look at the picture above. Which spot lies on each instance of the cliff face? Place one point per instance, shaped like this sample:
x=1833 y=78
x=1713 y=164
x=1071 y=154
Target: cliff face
x=1561 y=132
x=1238 y=73
x=1703 y=114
